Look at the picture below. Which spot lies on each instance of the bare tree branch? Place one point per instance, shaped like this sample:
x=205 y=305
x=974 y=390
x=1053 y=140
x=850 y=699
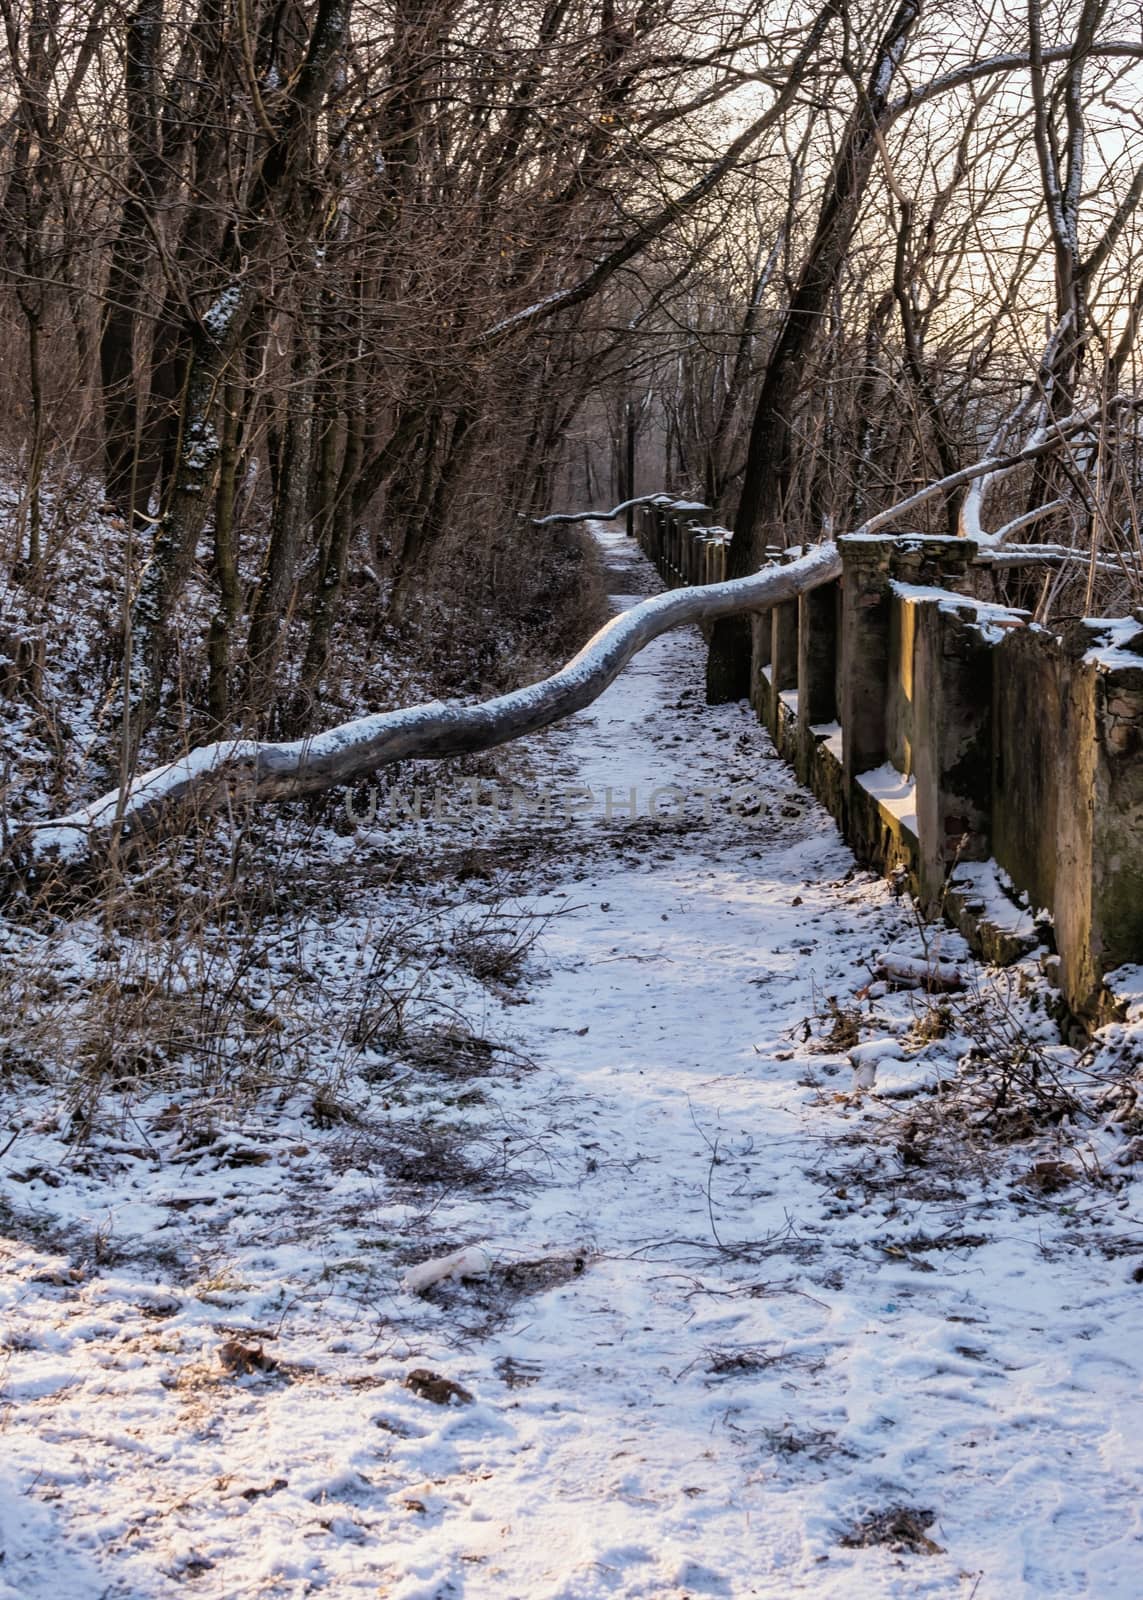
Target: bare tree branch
x=1059 y=433
x=674 y=210
x=1013 y=61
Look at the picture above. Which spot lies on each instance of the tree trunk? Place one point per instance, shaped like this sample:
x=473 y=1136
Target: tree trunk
x=225 y=559
x=290 y=519
x=130 y=257
x=769 y=460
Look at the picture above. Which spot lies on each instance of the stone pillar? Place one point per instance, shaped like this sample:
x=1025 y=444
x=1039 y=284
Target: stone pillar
x=783 y=666
x=699 y=538
x=691 y=537
x=865 y=629
x=1026 y=760
x=1099 y=820
x=869 y=563
x=686 y=516
x=951 y=742
x=784 y=645
x=877 y=687
x=665 y=532
x=817 y=654
x=676 y=548
x=761 y=639
x=817 y=670
x=659 y=556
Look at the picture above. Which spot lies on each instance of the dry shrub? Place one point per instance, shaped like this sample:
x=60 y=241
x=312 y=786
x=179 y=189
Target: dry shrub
x=198 y=977
x=492 y=943
x=515 y=607
x=900 y=1529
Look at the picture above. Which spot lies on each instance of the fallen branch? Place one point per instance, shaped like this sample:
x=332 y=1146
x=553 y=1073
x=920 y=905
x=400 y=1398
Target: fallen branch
x=603 y=516
x=244 y=770
x=913 y=972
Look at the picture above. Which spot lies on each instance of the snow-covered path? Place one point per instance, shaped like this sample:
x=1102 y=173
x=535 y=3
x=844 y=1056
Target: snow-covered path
x=727 y=1322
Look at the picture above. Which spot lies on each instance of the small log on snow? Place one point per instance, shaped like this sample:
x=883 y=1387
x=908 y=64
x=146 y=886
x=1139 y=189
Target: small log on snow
x=241 y=769
x=914 y=972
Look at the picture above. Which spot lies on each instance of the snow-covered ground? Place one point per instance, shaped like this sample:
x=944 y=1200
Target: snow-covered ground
x=746 y=1329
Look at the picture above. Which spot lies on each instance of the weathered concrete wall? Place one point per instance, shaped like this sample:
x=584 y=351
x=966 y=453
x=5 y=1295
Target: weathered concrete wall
x=899 y=685
x=1098 y=901
x=1026 y=760
x=941 y=730
x=952 y=740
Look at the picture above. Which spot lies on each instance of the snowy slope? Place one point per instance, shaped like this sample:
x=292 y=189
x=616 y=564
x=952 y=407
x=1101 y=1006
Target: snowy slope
x=728 y=1322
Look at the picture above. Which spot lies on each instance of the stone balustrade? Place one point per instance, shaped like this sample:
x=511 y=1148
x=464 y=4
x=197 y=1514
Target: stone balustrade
x=996 y=764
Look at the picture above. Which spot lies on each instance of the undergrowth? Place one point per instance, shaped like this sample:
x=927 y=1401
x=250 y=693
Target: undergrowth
x=241 y=966
x=269 y=951
x=1006 y=1095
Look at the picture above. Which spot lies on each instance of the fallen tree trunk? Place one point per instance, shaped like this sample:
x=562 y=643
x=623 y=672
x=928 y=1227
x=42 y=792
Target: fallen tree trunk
x=603 y=516
x=244 y=770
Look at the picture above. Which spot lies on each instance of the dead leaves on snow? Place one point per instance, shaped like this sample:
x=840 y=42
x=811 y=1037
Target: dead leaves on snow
x=242 y=1359
x=1049 y=1177
x=432 y=1386
x=900 y=1528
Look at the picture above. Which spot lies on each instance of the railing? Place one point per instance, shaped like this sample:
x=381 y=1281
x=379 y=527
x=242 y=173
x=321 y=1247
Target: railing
x=996 y=764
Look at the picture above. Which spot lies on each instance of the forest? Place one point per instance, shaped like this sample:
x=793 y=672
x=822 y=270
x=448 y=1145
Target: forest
x=324 y=297
x=473 y=1122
